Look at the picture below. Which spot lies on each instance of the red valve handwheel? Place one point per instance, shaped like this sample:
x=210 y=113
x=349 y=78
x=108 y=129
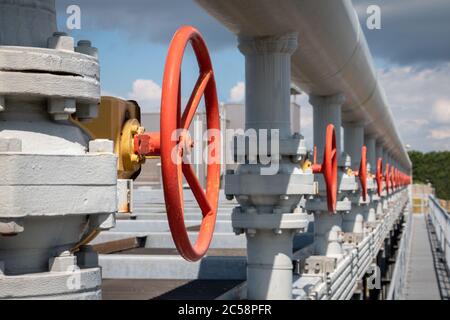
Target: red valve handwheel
x=380 y=176
x=396 y=178
x=392 y=176
x=329 y=167
x=173 y=142
x=362 y=174
x=387 y=179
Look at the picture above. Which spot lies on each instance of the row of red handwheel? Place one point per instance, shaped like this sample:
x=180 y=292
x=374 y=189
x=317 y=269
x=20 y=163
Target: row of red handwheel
x=171 y=151
x=393 y=177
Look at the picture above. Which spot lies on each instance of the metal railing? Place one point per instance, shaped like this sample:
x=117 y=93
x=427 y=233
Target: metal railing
x=441 y=222
x=398 y=281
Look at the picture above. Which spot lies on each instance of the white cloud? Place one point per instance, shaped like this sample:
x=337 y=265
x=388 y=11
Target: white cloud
x=147 y=93
x=420 y=102
x=237 y=93
x=441 y=111
x=440 y=134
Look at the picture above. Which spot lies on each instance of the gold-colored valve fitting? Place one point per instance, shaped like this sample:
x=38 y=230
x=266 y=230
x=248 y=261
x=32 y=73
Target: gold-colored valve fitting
x=307 y=165
x=119 y=121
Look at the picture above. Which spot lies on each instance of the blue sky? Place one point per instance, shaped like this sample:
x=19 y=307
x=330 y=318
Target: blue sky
x=410 y=52
x=126 y=58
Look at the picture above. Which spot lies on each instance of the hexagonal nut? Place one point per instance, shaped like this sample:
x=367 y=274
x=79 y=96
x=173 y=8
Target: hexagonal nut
x=61 y=41
x=11 y=228
x=87 y=111
x=237 y=210
x=85 y=47
x=103 y=222
x=277 y=210
x=87 y=257
x=251 y=232
x=2 y=104
x=251 y=210
x=10 y=145
x=101 y=146
x=277 y=232
x=63 y=263
x=61 y=108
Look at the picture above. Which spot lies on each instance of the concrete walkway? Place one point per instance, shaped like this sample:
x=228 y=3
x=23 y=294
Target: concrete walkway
x=422 y=281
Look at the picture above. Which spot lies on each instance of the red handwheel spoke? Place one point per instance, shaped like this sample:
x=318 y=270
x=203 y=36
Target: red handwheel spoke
x=197 y=189
x=195 y=99
x=333 y=153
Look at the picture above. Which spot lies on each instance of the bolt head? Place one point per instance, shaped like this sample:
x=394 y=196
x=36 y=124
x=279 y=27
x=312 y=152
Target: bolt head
x=251 y=210
x=251 y=233
x=237 y=210
x=229 y=197
x=278 y=232
x=84 y=43
x=2 y=104
x=278 y=210
x=59 y=34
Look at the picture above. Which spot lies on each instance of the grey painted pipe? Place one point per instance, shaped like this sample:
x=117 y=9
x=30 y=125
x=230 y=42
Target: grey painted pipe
x=333 y=56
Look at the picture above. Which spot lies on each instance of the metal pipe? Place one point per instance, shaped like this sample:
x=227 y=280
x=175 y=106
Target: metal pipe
x=327 y=110
x=333 y=56
x=353 y=222
x=28 y=24
x=269 y=249
x=353 y=142
x=267 y=63
x=369 y=142
x=269 y=266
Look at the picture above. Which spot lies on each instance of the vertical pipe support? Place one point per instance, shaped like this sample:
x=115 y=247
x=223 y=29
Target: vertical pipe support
x=353 y=222
x=268 y=107
x=327 y=227
x=370 y=143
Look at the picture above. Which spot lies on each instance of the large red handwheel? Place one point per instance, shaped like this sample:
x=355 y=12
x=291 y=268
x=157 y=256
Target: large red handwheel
x=392 y=176
x=329 y=167
x=380 y=176
x=387 y=178
x=173 y=145
x=362 y=174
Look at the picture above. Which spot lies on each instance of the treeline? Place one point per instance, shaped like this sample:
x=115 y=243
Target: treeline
x=433 y=167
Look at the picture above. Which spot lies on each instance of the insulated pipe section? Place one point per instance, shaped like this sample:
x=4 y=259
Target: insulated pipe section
x=333 y=56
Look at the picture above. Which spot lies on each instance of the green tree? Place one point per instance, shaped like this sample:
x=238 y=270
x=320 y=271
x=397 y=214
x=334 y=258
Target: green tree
x=433 y=167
